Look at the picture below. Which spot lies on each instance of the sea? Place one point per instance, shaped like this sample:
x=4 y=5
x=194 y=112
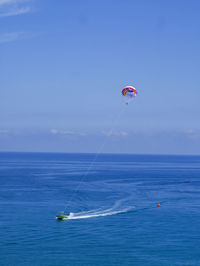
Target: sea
x=112 y=201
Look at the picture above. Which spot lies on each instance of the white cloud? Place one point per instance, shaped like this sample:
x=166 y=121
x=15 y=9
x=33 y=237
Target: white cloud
x=67 y=133
x=12 y=2
x=110 y=133
x=14 y=7
x=124 y=133
x=54 y=131
x=13 y=36
x=16 y=11
x=3 y=2
x=192 y=134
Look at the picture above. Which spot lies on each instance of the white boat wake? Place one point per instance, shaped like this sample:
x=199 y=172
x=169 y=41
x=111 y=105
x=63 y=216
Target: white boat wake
x=117 y=208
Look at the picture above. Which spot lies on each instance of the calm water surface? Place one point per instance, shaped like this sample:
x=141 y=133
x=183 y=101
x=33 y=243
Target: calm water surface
x=114 y=214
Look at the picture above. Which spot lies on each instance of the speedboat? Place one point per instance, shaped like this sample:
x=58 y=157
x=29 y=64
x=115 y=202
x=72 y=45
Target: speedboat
x=61 y=217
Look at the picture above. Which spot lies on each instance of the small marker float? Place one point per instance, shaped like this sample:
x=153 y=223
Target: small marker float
x=158 y=205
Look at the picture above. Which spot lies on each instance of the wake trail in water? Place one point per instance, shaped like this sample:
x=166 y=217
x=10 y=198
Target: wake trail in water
x=117 y=208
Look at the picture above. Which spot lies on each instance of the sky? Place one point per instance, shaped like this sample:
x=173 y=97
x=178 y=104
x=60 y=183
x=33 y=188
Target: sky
x=63 y=65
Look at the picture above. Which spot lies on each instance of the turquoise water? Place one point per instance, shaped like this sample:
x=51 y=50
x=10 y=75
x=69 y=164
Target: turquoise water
x=114 y=214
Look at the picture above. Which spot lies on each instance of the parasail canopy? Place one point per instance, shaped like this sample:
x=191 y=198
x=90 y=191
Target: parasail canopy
x=129 y=92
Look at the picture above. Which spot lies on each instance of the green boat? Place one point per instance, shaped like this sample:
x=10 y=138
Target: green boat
x=61 y=217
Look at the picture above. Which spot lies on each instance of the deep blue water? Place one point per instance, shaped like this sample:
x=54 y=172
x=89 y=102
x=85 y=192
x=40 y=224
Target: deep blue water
x=119 y=197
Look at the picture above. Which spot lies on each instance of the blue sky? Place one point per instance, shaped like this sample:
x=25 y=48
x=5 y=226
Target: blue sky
x=64 y=63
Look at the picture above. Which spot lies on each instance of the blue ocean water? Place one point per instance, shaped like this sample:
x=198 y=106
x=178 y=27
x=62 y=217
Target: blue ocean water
x=114 y=216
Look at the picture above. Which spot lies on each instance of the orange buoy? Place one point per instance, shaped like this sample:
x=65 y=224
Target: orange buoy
x=158 y=205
